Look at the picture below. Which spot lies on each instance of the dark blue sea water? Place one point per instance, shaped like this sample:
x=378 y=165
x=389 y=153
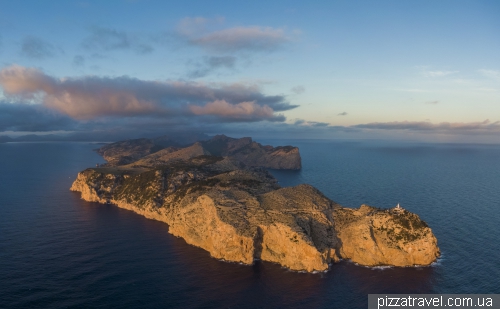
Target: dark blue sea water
x=57 y=251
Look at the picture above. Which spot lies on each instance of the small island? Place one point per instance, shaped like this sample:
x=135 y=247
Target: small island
x=217 y=195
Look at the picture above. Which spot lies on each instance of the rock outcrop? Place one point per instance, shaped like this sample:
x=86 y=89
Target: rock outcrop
x=372 y=236
x=241 y=214
x=128 y=151
x=125 y=152
x=171 y=154
x=254 y=154
x=152 y=152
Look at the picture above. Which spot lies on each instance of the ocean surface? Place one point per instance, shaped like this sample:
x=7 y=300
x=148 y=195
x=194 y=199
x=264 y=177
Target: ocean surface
x=58 y=251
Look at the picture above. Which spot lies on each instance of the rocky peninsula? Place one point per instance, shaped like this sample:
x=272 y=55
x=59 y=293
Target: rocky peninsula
x=216 y=196
x=162 y=149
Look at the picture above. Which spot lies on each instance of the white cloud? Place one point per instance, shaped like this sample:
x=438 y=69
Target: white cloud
x=243 y=110
x=490 y=74
x=199 y=31
x=439 y=73
x=92 y=97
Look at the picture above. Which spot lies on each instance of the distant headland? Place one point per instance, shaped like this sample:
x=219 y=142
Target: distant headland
x=216 y=195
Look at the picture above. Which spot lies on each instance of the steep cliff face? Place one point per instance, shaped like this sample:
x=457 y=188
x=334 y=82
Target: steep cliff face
x=372 y=236
x=241 y=214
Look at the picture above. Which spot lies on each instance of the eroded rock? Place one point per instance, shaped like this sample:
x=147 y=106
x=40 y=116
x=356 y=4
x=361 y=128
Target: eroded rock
x=241 y=214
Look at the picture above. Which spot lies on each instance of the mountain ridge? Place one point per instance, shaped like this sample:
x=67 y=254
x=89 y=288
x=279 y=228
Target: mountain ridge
x=243 y=149
x=239 y=213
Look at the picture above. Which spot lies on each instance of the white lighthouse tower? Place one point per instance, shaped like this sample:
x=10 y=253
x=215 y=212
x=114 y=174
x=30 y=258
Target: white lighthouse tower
x=398 y=209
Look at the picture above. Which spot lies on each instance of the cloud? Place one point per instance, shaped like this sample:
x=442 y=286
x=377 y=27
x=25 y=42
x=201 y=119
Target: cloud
x=424 y=69
x=212 y=64
x=219 y=62
x=414 y=90
x=243 y=38
x=490 y=74
x=439 y=73
x=36 y=48
x=25 y=82
x=252 y=38
x=305 y=123
x=97 y=56
x=342 y=114
x=486 y=89
x=248 y=111
x=191 y=26
x=32 y=118
x=91 y=97
x=108 y=39
x=483 y=127
x=298 y=89
x=432 y=102
x=78 y=60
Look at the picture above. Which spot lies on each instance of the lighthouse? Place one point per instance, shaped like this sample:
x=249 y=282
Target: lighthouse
x=398 y=209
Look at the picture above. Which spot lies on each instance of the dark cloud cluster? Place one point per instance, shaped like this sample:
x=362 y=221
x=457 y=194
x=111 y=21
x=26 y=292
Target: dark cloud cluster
x=32 y=118
x=195 y=31
x=223 y=45
x=305 y=123
x=125 y=105
x=298 y=89
x=36 y=48
x=91 y=98
x=108 y=39
x=78 y=60
x=228 y=44
x=342 y=114
x=242 y=38
x=212 y=64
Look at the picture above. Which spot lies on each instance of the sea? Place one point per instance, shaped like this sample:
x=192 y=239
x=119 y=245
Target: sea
x=58 y=251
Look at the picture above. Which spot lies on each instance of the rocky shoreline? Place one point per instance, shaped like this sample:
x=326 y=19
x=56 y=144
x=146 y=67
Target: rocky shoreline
x=239 y=213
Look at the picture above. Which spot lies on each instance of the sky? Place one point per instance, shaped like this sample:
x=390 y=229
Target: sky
x=404 y=70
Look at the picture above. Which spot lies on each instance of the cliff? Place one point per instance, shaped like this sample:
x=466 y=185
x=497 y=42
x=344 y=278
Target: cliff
x=241 y=214
x=125 y=152
x=372 y=236
x=254 y=154
x=153 y=152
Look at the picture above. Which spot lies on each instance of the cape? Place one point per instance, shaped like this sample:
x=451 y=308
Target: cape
x=237 y=212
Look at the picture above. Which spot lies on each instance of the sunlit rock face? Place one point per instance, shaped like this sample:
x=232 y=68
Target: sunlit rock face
x=372 y=237
x=240 y=213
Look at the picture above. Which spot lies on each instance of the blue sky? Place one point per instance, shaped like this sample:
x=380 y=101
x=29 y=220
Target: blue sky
x=419 y=70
